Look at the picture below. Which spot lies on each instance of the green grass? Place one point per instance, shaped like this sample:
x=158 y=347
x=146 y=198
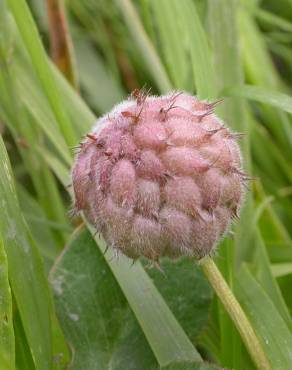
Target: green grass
x=62 y=301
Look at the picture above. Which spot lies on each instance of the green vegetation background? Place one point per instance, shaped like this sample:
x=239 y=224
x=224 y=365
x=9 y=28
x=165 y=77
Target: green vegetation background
x=62 y=302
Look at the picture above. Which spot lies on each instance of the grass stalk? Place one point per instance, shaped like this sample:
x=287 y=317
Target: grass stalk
x=236 y=313
x=60 y=40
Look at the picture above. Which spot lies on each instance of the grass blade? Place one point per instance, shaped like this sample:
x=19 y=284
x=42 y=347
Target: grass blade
x=93 y=73
x=59 y=169
x=275 y=336
x=263 y=273
x=30 y=35
x=38 y=108
x=26 y=271
x=273 y=19
x=200 y=52
x=7 y=346
x=261 y=71
x=261 y=95
x=144 y=44
x=224 y=36
x=281 y=269
x=23 y=354
x=171 y=30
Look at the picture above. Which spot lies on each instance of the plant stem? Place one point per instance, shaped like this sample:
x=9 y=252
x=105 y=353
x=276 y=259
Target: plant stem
x=236 y=313
x=60 y=39
x=145 y=45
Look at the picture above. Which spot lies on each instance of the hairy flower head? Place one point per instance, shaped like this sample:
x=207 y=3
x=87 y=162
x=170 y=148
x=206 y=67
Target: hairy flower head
x=160 y=176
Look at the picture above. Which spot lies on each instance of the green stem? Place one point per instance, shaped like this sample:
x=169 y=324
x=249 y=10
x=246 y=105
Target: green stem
x=236 y=313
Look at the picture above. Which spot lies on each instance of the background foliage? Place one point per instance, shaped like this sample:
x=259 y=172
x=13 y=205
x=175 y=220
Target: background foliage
x=63 y=302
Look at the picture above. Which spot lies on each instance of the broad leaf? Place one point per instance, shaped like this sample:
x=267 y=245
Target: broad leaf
x=97 y=320
x=186 y=291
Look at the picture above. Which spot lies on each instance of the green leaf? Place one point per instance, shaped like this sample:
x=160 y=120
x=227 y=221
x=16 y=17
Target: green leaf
x=24 y=359
x=199 y=50
x=180 y=366
x=80 y=114
x=100 y=328
x=227 y=60
x=260 y=70
x=32 y=41
x=253 y=48
x=273 y=19
x=279 y=252
x=281 y=269
x=271 y=329
x=58 y=168
x=39 y=225
x=166 y=338
x=171 y=29
x=270 y=224
x=263 y=273
x=26 y=271
x=36 y=104
x=7 y=350
x=186 y=291
x=97 y=320
x=228 y=69
x=144 y=45
x=261 y=95
x=285 y=286
x=101 y=90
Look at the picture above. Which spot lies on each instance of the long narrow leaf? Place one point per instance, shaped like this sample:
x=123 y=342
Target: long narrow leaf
x=199 y=50
x=26 y=271
x=38 y=56
x=144 y=44
x=7 y=350
x=270 y=327
x=261 y=95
